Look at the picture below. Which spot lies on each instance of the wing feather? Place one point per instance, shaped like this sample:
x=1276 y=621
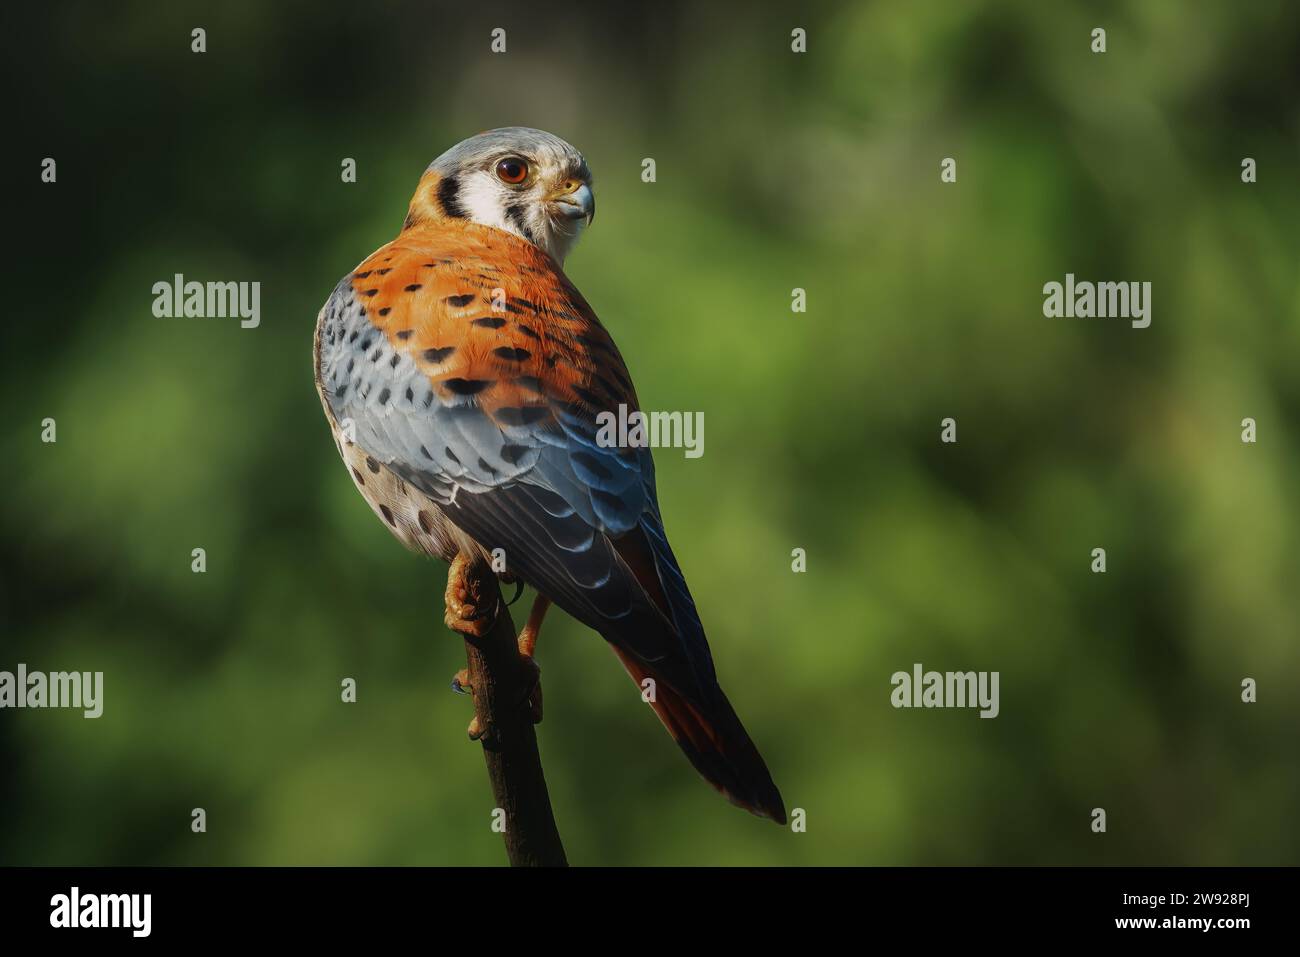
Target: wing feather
x=474 y=369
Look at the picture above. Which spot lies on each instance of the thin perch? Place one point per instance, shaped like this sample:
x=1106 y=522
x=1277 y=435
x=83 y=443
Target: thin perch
x=501 y=681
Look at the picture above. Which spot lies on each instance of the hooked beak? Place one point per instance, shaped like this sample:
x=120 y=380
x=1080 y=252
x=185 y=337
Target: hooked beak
x=575 y=201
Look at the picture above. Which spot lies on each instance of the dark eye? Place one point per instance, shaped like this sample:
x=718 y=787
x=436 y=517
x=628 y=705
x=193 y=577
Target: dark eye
x=512 y=170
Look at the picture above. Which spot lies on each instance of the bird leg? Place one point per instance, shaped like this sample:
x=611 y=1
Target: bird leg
x=465 y=616
x=527 y=645
x=533 y=627
x=527 y=642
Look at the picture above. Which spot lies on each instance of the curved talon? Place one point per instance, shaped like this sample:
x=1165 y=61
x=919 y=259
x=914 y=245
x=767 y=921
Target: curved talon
x=519 y=590
x=465 y=617
x=462 y=616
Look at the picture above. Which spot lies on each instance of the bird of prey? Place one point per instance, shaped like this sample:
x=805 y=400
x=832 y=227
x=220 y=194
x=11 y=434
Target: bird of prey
x=462 y=375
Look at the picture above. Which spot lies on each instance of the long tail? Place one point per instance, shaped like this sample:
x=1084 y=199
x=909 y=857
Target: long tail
x=716 y=743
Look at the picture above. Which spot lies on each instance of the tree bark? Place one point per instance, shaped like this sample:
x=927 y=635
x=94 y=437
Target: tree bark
x=501 y=682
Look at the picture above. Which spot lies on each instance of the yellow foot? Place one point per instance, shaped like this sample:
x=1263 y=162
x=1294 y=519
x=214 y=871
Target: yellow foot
x=533 y=695
x=463 y=612
x=475 y=730
x=527 y=642
x=466 y=615
x=460 y=684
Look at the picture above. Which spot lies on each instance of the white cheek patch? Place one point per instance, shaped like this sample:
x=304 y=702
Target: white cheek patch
x=483 y=202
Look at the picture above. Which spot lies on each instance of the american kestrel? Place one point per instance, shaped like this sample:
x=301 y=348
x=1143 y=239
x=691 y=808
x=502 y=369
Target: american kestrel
x=462 y=374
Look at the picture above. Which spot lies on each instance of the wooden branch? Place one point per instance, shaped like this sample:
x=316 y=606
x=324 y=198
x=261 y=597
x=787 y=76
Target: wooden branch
x=500 y=683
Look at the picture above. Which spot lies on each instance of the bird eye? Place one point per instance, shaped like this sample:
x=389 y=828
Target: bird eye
x=512 y=170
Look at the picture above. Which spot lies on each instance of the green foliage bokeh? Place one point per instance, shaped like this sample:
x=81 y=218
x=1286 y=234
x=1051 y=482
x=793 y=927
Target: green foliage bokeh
x=774 y=171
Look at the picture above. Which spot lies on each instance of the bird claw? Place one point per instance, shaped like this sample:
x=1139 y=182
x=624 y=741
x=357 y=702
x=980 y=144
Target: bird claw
x=532 y=693
x=463 y=615
x=519 y=589
x=466 y=617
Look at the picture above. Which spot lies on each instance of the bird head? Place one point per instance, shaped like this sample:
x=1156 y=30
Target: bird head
x=520 y=180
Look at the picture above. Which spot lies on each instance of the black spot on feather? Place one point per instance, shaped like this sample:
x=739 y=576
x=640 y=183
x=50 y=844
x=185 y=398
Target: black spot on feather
x=467 y=386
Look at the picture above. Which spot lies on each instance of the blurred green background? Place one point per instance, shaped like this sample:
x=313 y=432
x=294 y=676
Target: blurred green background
x=775 y=171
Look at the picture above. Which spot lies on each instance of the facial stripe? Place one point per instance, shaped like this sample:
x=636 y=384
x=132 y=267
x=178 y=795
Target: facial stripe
x=449 y=197
x=515 y=213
